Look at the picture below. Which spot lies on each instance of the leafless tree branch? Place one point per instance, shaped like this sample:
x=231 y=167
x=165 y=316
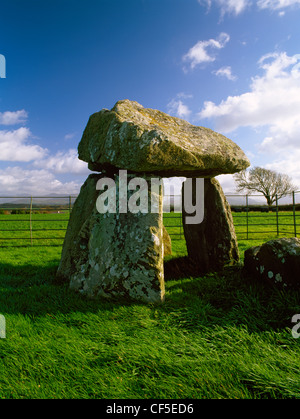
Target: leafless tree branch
x=272 y=185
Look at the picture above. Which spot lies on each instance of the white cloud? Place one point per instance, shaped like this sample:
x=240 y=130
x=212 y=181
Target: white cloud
x=273 y=101
x=234 y=7
x=39 y=177
x=202 y=52
x=12 y=118
x=64 y=162
x=16 y=181
x=288 y=163
x=228 y=183
x=277 y=4
x=225 y=72
x=176 y=106
x=70 y=136
x=14 y=146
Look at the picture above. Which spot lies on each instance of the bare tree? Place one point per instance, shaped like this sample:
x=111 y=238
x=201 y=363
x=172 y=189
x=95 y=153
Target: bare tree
x=267 y=182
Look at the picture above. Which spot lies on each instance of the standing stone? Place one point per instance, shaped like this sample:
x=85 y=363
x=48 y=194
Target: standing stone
x=212 y=244
x=76 y=238
x=114 y=254
x=167 y=242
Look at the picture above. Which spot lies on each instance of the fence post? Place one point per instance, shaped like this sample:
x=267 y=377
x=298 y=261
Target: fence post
x=30 y=220
x=247 y=215
x=294 y=214
x=277 y=216
x=70 y=205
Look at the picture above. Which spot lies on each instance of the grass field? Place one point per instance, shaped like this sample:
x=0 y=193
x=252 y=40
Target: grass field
x=266 y=226
x=50 y=228
x=222 y=335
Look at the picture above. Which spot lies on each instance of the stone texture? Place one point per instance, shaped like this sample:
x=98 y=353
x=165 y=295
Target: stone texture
x=167 y=242
x=276 y=262
x=212 y=244
x=144 y=140
x=113 y=255
x=75 y=240
x=121 y=254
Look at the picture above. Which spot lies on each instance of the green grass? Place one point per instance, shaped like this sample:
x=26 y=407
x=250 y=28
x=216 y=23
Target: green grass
x=50 y=228
x=46 y=229
x=265 y=226
x=222 y=335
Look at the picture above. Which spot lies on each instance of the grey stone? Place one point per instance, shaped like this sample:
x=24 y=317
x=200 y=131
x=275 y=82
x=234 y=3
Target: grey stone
x=144 y=140
x=212 y=244
x=114 y=254
x=120 y=254
x=167 y=242
x=276 y=262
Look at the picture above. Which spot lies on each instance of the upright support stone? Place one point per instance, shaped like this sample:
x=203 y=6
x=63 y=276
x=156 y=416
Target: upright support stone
x=76 y=238
x=116 y=254
x=212 y=244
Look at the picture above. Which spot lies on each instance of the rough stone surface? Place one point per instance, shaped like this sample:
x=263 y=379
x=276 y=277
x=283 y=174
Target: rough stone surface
x=75 y=240
x=212 y=244
x=167 y=242
x=276 y=262
x=141 y=140
x=113 y=255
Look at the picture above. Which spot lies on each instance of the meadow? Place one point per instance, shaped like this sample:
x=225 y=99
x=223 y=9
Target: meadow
x=222 y=335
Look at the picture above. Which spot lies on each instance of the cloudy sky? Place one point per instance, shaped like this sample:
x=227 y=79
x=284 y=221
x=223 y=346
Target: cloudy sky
x=230 y=65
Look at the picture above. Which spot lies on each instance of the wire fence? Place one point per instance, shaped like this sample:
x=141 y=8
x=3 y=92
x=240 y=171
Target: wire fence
x=254 y=220
x=34 y=221
x=43 y=221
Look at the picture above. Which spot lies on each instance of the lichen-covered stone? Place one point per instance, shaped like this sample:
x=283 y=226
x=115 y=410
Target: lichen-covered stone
x=113 y=254
x=141 y=140
x=212 y=244
x=167 y=242
x=76 y=238
x=276 y=262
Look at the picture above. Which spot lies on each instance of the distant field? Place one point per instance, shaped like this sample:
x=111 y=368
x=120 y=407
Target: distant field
x=46 y=229
x=251 y=231
x=49 y=229
x=255 y=226
x=266 y=225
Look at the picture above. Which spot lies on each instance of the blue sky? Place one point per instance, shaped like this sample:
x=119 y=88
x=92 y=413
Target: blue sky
x=233 y=66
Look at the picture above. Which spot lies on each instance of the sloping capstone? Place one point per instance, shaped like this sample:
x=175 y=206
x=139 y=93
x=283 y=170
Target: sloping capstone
x=113 y=254
x=276 y=262
x=212 y=244
x=142 y=140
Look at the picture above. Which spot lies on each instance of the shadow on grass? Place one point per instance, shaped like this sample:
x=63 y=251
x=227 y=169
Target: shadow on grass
x=34 y=290
x=181 y=267
x=230 y=297
x=227 y=298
